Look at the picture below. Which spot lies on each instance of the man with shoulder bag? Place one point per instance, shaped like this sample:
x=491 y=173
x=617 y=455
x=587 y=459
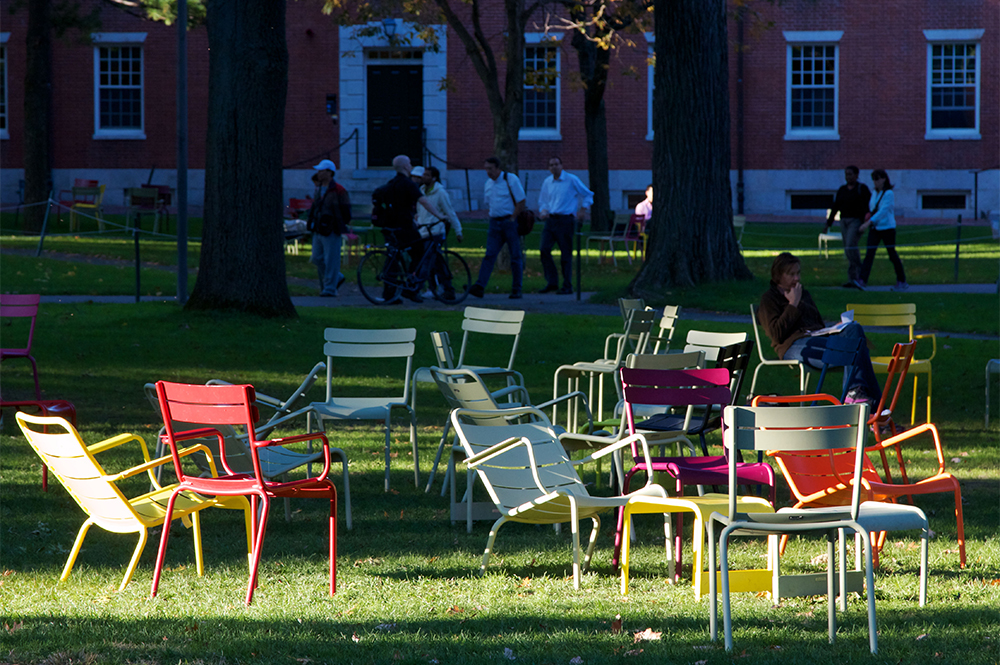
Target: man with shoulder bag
x=504 y=198
x=328 y=219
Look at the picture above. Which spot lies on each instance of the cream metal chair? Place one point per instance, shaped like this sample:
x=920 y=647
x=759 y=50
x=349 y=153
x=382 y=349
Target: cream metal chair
x=634 y=339
x=804 y=369
x=369 y=347
x=531 y=479
x=896 y=315
x=661 y=339
x=74 y=463
x=808 y=428
x=739 y=226
x=824 y=239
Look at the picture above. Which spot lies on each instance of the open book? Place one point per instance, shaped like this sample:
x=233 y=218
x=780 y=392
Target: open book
x=845 y=318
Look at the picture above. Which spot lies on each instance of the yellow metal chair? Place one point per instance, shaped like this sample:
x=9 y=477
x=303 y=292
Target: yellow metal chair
x=89 y=199
x=897 y=315
x=73 y=463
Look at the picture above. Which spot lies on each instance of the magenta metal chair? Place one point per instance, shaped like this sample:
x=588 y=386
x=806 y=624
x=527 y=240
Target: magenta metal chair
x=14 y=306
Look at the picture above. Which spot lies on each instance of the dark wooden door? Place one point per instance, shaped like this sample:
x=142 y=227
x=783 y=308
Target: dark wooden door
x=395 y=113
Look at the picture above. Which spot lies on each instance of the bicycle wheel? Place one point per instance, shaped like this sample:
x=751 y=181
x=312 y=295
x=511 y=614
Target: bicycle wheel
x=451 y=279
x=380 y=278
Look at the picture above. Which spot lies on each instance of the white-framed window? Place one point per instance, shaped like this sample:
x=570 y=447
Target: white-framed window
x=4 y=130
x=650 y=69
x=540 y=104
x=118 y=85
x=811 y=75
x=953 y=84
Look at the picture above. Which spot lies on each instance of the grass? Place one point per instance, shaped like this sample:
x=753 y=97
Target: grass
x=407 y=585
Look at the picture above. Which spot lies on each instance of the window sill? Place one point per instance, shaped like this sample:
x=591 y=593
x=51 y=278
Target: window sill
x=120 y=135
x=4 y=134
x=539 y=135
x=812 y=136
x=649 y=136
x=952 y=135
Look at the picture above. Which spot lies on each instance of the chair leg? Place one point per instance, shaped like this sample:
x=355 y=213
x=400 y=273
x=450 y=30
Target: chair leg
x=347 y=485
x=164 y=538
x=593 y=539
x=621 y=519
x=623 y=558
x=76 y=549
x=489 y=544
x=135 y=556
x=831 y=607
x=574 y=525
x=437 y=456
x=333 y=538
x=258 y=546
x=727 y=619
x=870 y=591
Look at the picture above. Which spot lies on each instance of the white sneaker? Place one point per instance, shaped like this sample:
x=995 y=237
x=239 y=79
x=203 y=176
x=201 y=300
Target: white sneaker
x=427 y=294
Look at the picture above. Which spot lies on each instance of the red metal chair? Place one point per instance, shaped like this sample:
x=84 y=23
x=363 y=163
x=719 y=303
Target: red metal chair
x=681 y=388
x=235 y=405
x=23 y=306
x=298 y=206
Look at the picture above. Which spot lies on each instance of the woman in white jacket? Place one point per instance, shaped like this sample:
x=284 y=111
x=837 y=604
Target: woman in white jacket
x=882 y=220
x=435 y=192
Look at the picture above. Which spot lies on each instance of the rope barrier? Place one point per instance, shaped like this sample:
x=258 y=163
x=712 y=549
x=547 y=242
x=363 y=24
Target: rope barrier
x=23 y=206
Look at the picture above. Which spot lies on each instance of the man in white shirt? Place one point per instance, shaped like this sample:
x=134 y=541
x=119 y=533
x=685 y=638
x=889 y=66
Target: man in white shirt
x=561 y=204
x=504 y=198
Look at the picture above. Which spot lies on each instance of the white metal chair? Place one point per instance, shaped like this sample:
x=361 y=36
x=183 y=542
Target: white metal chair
x=804 y=369
x=369 y=346
x=824 y=239
x=531 y=479
x=808 y=428
x=661 y=339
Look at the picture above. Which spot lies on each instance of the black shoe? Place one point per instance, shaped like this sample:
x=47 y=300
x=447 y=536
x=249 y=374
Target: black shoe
x=849 y=284
x=448 y=296
x=413 y=295
x=565 y=291
x=340 y=282
x=516 y=295
x=477 y=291
x=549 y=288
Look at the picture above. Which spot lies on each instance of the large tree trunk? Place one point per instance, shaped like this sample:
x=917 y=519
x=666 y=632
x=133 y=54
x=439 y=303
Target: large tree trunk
x=594 y=62
x=242 y=264
x=691 y=233
x=37 y=113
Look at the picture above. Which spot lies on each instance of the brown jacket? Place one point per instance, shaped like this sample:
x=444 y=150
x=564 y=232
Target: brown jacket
x=785 y=323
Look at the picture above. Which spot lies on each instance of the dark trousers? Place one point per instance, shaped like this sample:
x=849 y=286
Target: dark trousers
x=810 y=351
x=558 y=229
x=888 y=237
x=851 y=227
x=502 y=231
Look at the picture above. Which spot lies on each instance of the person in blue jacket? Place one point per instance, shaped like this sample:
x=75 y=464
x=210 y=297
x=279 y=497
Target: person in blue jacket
x=882 y=220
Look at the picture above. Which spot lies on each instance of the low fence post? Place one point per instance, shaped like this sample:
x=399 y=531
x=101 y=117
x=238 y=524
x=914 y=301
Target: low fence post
x=958 y=244
x=135 y=234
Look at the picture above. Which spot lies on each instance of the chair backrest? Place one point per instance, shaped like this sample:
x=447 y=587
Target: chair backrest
x=464 y=389
x=217 y=407
x=88 y=196
x=362 y=343
x=62 y=450
x=237 y=453
x=85 y=182
x=809 y=428
x=756 y=333
x=711 y=342
x=894 y=315
x=144 y=198
x=491 y=322
x=635 y=337
x=300 y=205
x=840 y=351
x=17 y=306
x=443 y=355
x=626 y=305
x=689 y=360
x=513 y=476
x=688 y=387
x=668 y=324
x=817 y=477
x=899 y=364
x=636 y=223
x=736 y=359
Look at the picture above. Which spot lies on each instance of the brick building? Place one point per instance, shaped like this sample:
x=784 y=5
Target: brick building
x=910 y=86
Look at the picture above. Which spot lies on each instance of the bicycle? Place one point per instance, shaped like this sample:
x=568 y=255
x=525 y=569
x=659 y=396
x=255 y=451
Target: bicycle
x=384 y=278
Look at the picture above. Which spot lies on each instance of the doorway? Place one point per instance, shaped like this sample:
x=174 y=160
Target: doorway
x=395 y=112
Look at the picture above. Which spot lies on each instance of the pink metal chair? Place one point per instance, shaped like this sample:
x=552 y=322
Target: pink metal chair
x=234 y=405
x=13 y=306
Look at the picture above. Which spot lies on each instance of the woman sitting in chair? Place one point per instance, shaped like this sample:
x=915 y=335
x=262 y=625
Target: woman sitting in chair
x=789 y=316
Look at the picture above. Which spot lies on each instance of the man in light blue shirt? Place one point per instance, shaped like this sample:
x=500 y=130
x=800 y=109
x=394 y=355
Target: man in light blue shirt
x=503 y=196
x=561 y=204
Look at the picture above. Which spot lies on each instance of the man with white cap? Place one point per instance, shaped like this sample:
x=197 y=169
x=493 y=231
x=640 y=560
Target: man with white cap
x=328 y=219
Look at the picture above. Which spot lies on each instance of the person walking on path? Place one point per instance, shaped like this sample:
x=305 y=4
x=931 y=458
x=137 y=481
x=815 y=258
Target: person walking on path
x=328 y=219
x=789 y=316
x=432 y=229
x=852 y=204
x=562 y=202
x=882 y=220
x=504 y=198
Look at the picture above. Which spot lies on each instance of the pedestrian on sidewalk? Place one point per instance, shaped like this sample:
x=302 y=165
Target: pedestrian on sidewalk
x=882 y=220
x=562 y=202
x=328 y=219
x=504 y=198
x=852 y=204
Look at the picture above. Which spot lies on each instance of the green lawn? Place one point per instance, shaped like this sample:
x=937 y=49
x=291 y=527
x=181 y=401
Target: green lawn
x=407 y=585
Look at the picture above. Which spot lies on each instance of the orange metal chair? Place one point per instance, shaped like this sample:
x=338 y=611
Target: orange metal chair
x=235 y=405
x=822 y=478
x=21 y=306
